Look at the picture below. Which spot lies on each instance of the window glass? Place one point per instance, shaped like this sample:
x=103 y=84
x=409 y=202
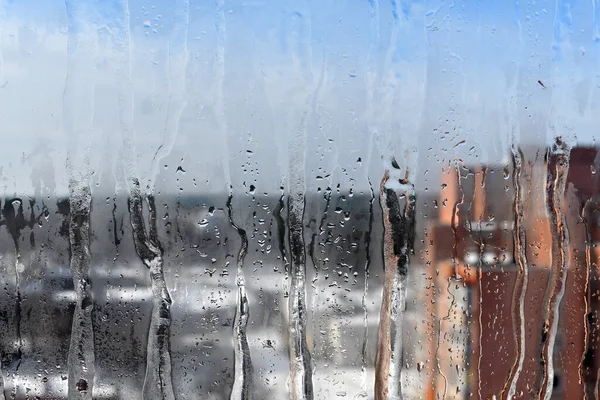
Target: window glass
x=299 y=199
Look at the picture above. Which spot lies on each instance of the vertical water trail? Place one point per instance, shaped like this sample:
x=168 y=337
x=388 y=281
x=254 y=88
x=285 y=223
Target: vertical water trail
x=470 y=219
x=520 y=287
x=381 y=91
x=561 y=131
x=282 y=240
x=480 y=314
x=14 y=221
x=219 y=81
x=398 y=245
x=556 y=179
x=328 y=190
x=281 y=230
x=366 y=290
x=519 y=234
x=78 y=115
x=157 y=382
x=242 y=383
x=311 y=249
x=319 y=232
x=586 y=297
x=398 y=224
x=454 y=227
x=301 y=386
x=596 y=39
x=177 y=61
x=371 y=87
x=455 y=258
x=3 y=378
x=480 y=273
x=121 y=39
x=81 y=349
x=300 y=381
x=371 y=90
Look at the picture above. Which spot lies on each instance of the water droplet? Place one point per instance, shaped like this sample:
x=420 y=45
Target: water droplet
x=147 y=24
x=82 y=385
x=203 y=223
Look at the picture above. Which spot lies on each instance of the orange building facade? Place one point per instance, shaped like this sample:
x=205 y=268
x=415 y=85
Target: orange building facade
x=472 y=307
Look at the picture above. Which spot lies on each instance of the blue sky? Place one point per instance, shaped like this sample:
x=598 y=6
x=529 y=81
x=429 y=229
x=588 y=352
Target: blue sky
x=426 y=81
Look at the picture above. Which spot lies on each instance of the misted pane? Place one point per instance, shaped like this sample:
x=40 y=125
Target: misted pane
x=299 y=199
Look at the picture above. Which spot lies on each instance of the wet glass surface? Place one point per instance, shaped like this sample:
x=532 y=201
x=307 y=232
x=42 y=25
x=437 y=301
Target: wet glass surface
x=299 y=199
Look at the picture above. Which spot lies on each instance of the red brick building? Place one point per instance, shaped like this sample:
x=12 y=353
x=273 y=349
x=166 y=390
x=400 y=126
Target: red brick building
x=474 y=272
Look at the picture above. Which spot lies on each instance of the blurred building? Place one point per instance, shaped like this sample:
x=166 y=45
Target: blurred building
x=470 y=310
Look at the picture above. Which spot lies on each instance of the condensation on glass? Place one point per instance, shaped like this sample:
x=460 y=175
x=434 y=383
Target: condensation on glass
x=299 y=199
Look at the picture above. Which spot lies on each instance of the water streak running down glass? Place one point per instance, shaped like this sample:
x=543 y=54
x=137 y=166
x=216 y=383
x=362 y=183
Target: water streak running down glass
x=299 y=199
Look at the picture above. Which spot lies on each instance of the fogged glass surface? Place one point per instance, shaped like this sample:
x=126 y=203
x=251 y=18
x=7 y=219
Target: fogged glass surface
x=296 y=199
